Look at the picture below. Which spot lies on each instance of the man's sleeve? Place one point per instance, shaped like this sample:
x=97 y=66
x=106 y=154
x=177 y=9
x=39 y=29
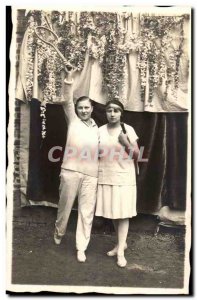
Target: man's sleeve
x=68 y=106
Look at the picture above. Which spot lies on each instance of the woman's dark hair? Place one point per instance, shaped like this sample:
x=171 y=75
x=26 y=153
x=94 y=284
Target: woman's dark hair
x=117 y=102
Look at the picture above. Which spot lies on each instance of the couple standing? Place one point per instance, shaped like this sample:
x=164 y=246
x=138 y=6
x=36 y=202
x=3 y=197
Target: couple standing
x=107 y=184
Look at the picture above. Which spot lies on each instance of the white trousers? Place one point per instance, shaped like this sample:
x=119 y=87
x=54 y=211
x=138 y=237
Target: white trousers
x=75 y=184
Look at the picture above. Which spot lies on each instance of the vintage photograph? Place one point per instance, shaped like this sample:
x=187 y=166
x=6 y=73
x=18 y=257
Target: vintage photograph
x=99 y=147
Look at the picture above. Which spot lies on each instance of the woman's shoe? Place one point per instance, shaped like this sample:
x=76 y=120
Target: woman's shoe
x=113 y=252
x=121 y=262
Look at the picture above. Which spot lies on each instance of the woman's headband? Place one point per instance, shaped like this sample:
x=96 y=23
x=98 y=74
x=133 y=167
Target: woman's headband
x=116 y=102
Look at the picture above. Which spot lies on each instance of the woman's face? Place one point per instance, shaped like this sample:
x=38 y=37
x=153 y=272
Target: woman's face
x=113 y=113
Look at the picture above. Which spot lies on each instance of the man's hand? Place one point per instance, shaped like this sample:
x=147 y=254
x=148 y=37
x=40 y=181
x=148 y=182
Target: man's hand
x=67 y=88
x=69 y=78
x=67 y=91
x=69 y=75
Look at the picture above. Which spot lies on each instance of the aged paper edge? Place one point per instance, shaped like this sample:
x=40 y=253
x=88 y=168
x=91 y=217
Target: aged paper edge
x=10 y=177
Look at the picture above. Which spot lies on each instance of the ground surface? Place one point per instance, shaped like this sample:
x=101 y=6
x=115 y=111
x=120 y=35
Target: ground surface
x=155 y=262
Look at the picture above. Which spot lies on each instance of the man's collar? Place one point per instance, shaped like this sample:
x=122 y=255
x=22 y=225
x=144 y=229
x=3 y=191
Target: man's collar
x=92 y=124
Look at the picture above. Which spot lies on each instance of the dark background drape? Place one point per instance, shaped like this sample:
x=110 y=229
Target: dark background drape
x=162 y=180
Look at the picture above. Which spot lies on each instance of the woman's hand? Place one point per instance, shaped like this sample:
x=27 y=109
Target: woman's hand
x=123 y=139
x=130 y=147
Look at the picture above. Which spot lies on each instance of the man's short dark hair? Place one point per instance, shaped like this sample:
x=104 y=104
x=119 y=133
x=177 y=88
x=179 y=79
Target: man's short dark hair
x=82 y=99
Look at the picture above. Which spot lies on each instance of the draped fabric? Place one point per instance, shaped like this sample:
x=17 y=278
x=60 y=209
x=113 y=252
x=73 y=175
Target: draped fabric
x=90 y=80
x=162 y=180
x=24 y=150
x=89 y=83
x=43 y=175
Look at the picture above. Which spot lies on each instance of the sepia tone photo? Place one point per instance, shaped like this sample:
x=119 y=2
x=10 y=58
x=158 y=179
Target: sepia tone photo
x=99 y=147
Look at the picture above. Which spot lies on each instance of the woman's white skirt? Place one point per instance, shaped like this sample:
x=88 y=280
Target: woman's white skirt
x=116 y=202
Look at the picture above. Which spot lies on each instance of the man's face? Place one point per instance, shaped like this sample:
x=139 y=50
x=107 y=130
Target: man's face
x=84 y=110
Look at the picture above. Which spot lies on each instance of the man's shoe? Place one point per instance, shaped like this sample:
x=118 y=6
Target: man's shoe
x=57 y=239
x=81 y=256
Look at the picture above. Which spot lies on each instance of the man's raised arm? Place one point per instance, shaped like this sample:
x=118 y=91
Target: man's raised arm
x=68 y=104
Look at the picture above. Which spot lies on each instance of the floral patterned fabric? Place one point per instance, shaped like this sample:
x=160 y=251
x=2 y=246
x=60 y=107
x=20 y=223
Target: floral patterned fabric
x=141 y=59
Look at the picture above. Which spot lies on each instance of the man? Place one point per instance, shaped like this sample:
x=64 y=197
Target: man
x=79 y=170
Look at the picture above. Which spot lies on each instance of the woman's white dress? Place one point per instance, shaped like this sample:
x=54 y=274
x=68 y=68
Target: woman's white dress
x=116 y=195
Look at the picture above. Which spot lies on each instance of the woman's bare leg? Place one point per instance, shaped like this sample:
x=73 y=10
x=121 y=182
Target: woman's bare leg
x=123 y=229
x=113 y=252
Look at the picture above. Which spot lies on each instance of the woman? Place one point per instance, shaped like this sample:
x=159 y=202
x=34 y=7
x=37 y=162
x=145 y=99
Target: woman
x=116 y=196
